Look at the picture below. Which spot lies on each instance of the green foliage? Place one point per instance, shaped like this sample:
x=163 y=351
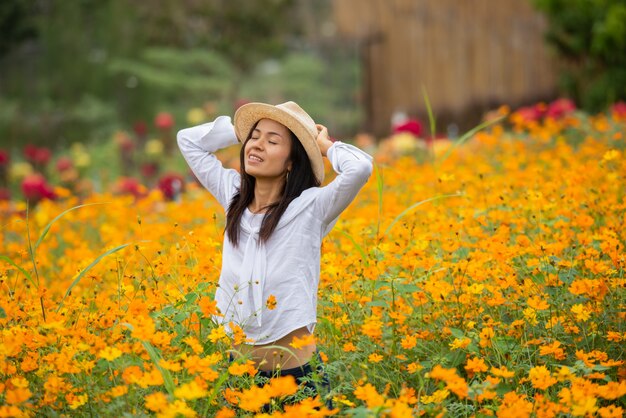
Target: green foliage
x=83 y=69
x=591 y=36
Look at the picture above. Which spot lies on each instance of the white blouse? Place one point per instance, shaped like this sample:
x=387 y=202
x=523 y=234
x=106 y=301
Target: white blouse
x=287 y=266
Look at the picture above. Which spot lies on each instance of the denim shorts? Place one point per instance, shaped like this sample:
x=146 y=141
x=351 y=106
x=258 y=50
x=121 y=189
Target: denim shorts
x=310 y=376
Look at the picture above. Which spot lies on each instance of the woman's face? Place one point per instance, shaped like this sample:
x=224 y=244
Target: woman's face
x=266 y=153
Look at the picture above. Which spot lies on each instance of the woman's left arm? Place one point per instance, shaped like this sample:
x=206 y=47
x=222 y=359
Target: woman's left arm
x=353 y=168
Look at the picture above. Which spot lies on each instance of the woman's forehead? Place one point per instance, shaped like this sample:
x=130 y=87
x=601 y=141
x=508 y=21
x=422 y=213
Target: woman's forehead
x=271 y=125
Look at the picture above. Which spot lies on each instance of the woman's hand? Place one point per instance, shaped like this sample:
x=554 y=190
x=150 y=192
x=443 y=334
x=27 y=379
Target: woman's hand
x=323 y=140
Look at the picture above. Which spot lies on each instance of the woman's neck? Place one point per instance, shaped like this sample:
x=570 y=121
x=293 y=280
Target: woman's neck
x=265 y=194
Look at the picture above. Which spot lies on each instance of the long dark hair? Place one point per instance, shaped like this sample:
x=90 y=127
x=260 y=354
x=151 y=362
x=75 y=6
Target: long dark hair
x=301 y=177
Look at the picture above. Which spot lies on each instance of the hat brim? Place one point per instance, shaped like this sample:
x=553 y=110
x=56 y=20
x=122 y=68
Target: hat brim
x=249 y=114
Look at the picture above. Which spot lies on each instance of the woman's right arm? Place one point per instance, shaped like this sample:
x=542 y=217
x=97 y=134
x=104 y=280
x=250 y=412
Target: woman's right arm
x=198 y=145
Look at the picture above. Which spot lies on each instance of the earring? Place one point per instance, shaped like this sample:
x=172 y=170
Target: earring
x=287 y=177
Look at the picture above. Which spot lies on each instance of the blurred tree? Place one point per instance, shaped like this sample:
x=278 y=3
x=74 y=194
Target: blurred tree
x=591 y=37
x=15 y=25
x=80 y=69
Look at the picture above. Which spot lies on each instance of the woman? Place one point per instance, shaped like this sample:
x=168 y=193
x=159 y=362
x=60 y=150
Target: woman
x=277 y=216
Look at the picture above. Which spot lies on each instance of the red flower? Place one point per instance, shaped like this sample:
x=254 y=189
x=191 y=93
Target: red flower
x=37 y=155
x=149 y=170
x=4 y=157
x=619 y=110
x=411 y=126
x=241 y=102
x=30 y=152
x=559 y=108
x=171 y=185
x=35 y=187
x=64 y=163
x=164 y=121
x=129 y=185
x=140 y=128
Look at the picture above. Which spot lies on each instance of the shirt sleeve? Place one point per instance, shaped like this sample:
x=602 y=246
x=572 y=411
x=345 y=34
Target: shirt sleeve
x=353 y=168
x=198 y=145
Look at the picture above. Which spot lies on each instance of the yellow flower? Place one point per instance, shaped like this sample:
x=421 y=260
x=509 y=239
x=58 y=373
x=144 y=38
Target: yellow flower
x=190 y=391
x=437 y=397
x=580 y=312
x=109 y=353
x=460 y=343
x=156 y=402
x=611 y=155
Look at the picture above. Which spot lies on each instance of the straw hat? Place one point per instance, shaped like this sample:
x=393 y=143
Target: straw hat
x=290 y=115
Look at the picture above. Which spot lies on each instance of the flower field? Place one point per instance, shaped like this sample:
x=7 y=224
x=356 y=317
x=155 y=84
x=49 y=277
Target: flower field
x=484 y=279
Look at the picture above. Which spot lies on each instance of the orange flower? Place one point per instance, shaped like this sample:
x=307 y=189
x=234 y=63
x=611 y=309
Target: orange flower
x=541 y=378
x=239 y=369
x=271 y=303
x=208 y=307
x=476 y=365
x=298 y=343
x=375 y=358
x=369 y=395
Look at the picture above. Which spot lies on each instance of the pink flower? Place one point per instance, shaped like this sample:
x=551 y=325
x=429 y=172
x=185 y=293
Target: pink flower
x=164 y=121
x=559 y=108
x=35 y=188
x=64 y=164
x=171 y=185
x=411 y=126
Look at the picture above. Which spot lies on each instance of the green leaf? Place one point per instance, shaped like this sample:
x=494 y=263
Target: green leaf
x=47 y=228
x=413 y=206
x=155 y=356
x=429 y=109
x=405 y=287
x=467 y=135
x=457 y=333
x=24 y=272
x=89 y=267
x=357 y=246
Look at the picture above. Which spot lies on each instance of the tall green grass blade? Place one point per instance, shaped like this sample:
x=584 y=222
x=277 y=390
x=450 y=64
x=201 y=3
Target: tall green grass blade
x=24 y=272
x=466 y=136
x=89 y=267
x=357 y=246
x=218 y=385
x=47 y=228
x=415 y=205
x=431 y=116
x=168 y=381
x=379 y=186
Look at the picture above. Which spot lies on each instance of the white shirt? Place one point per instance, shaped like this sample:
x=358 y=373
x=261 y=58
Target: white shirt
x=287 y=266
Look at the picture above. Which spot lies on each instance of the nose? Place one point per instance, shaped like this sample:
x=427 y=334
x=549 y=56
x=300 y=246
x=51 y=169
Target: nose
x=258 y=144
